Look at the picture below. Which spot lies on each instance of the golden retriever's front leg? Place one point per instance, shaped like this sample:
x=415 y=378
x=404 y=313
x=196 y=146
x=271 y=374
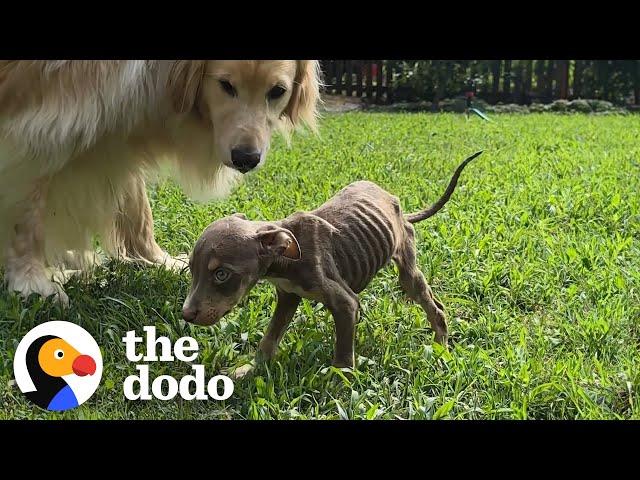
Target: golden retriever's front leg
x=134 y=227
x=25 y=265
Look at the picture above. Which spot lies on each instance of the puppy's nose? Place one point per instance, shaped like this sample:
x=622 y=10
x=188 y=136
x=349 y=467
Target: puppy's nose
x=245 y=158
x=189 y=314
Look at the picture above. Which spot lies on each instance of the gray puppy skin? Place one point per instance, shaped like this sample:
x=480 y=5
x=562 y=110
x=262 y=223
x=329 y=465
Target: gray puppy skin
x=327 y=255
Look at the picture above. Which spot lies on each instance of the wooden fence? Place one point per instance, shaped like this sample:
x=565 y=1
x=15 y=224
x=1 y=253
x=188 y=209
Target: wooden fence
x=371 y=79
x=513 y=81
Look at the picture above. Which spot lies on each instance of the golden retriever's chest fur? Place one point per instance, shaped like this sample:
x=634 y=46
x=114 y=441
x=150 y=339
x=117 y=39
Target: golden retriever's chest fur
x=59 y=109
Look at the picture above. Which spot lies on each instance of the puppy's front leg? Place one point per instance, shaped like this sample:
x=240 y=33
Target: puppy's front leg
x=285 y=310
x=25 y=265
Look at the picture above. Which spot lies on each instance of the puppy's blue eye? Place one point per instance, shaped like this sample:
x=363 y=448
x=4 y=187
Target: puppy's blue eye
x=221 y=275
x=228 y=88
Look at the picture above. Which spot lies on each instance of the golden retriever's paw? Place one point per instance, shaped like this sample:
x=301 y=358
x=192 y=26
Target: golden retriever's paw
x=177 y=264
x=80 y=260
x=26 y=285
x=63 y=276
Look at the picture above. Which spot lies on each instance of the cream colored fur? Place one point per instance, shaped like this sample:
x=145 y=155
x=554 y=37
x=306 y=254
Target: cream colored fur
x=78 y=140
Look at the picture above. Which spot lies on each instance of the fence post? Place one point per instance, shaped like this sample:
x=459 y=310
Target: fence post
x=327 y=70
x=607 y=81
x=587 y=87
x=549 y=79
x=369 y=78
x=564 y=79
x=636 y=84
x=599 y=79
x=389 y=71
x=339 y=71
x=440 y=84
x=561 y=74
x=506 y=82
x=359 y=66
x=470 y=71
x=526 y=84
x=577 y=78
x=379 y=88
x=348 y=77
x=486 y=75
x=540 y=78
x=518 y=95
x=496 y=81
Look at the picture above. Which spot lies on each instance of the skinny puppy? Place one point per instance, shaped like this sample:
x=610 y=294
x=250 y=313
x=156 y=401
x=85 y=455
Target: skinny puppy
x=327 y=255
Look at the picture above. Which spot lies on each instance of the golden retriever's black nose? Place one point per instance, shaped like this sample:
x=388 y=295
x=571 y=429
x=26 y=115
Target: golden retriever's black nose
x=245 y=158
x=189 y=314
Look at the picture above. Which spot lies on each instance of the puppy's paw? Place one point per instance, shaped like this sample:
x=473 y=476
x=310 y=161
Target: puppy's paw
x=343 y=364
x=242 y=371
x=266 y=349
x=442 y=332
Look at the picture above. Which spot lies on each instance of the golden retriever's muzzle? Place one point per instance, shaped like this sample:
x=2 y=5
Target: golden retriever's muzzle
x=245 y=159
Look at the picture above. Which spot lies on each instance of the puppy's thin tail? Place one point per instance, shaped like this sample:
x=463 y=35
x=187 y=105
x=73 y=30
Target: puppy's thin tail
x=435 y=208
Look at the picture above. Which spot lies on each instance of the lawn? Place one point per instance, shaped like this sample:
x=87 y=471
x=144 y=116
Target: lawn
x=536 y=259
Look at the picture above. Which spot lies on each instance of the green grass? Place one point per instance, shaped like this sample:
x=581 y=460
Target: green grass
x=536 y=260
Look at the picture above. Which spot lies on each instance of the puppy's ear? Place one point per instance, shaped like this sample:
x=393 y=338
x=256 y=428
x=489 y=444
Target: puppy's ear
x=278 y=242
x=303 y=104
x=185 y=78
x=241 y=216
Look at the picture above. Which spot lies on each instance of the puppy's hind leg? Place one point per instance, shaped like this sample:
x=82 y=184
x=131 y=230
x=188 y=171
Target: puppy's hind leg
x=416 y=287
x=134 y=230
x=344 y=306
x=25 y=265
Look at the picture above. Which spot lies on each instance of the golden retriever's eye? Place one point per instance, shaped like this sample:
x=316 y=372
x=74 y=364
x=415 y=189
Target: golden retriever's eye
x=276 y=92
x=221 y=275
x=228 y=88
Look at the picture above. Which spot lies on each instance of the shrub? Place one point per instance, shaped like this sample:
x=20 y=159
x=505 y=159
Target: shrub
x=457 y=105
x=559 y=106
x=579 y=105
x=509 y=108
x=601 y=105
x=537 y=108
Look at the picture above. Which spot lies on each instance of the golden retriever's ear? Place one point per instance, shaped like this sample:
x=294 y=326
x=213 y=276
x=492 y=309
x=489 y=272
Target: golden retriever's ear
x=303 y=105
x=185 y=79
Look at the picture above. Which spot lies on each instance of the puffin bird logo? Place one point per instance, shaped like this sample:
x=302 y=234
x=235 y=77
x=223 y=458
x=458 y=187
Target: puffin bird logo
x=58 y=365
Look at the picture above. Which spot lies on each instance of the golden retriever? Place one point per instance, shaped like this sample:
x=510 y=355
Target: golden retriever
x=78 y=139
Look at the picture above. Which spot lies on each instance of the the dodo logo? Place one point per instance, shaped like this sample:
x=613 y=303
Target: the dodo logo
x=58 y=365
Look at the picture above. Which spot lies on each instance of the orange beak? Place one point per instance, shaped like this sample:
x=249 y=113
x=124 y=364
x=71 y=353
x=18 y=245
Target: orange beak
x=84 y=365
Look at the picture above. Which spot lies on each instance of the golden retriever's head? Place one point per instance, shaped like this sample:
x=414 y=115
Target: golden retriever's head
x=244 y=101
